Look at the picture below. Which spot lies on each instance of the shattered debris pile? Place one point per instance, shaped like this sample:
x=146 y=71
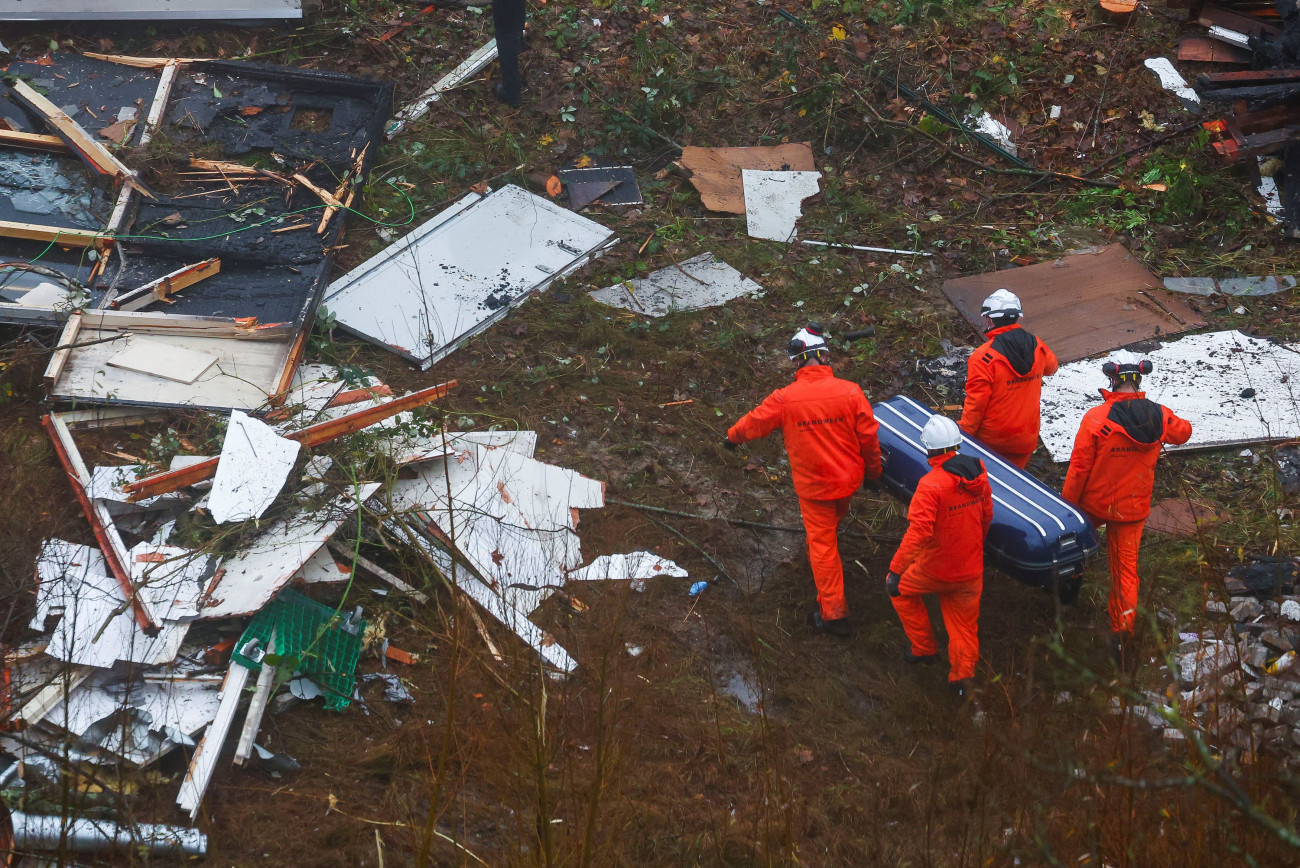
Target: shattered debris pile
x=199 y=595
x=1240 y=687
x=1262 y=118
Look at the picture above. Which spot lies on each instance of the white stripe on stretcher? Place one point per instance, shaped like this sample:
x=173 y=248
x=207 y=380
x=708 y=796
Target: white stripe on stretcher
x=996 y=499
x=1016 y=470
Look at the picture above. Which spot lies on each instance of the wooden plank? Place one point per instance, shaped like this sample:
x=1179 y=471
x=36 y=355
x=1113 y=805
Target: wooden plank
x=325 y=195
x=377 y=571
x=92 y=152
x=140 y=62
x=59 y=360
x=32 y=141
x=159 y=359
x=257 y=705
x=153 y=120
x=57 y=234
x=101 y=522
x=1214 y=16
x=1206 y=50
x=311 y=436
x=166 y=286
x=205 y=757
x=467 y=68
x=49 y=696
x=1247 y=77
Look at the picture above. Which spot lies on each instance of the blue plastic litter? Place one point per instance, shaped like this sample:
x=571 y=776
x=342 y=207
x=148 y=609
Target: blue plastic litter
x=698 y=588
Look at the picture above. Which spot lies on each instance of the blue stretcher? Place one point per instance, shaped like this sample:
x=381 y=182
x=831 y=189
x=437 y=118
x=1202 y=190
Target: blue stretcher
x=1036 y=537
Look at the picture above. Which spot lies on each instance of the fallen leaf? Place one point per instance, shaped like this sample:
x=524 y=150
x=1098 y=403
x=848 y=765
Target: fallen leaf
x=582 y=162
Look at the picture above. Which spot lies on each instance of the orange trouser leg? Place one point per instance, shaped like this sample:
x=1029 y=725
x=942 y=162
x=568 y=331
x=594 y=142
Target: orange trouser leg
x=1122 y=541
x=960 y=604
x=821 y=522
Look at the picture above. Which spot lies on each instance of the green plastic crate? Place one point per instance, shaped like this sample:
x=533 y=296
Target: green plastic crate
x=311 y=632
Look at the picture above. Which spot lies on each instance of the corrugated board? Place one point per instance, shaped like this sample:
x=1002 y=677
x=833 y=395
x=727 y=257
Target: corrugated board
x=1083 y=303
x=715 y=172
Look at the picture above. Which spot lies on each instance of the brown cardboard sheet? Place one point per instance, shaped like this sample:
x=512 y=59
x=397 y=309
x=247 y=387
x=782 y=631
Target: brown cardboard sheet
x=715 y=172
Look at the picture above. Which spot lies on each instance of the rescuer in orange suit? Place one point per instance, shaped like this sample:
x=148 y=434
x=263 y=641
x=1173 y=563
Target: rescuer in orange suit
x=1004 y=382
x=1112 y=472
x=942 y=553
x=830 y=436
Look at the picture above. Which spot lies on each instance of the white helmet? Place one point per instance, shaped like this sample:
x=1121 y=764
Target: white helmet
x=1002 y=303
x=807 y=341
x=940 y=433
x=1126 y=365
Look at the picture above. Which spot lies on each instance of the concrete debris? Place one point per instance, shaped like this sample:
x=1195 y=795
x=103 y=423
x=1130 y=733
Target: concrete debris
x=700 y=282
x=1246 y=286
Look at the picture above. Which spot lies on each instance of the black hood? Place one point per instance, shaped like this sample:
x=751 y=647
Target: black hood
x=1141 y=419
x=966 y=467
x=1018 y=346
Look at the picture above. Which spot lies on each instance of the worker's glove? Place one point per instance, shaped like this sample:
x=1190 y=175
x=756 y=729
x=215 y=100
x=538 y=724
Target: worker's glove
x=732 y=446
x=871 y=484
x=891 y=583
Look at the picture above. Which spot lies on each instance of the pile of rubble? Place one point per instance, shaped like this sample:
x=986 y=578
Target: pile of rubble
x=1240 y=686
x=202 y=581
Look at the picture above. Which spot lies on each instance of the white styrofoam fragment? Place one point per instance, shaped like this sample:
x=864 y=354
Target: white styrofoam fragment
x=774 y=201
x=699 y=282
x=1172 y=81
x=1199 y=377
x=255 y=462
x=994 y=129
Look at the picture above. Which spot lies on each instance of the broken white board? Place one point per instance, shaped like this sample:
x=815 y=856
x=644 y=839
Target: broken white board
x=98 y=627
x=462 y=271
x=699 y=282
x=247 y=580
x=61 y=570
x=774 y=201
x=627 y=567
x=410 y=449
x=139 y=11
x=1172 y=81
x=1231 y=387
x=158 y=359
x=1268 y=189
x=1243 y=286
x=512 y=517
x=321 y=568
x=169 y=578
x=255 y=462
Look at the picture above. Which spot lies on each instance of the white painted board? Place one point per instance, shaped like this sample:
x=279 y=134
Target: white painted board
x=159 y=359
x=1172 y=81
x=461 y=271
x=148 y=10
x=62 y=568
x=254 y=465
x=247 y=580
x=321 y=568
x=774 y=201
x=699 y=282
x=1199 y=377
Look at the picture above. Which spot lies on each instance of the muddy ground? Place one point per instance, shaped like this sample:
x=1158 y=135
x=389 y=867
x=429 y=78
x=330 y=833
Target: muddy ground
x=734 y=735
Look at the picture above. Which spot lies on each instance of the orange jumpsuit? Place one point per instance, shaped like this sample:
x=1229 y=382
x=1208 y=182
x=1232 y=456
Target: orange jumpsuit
x=830 y=436
x=943 y=553
x=1004 y=384
x=1112 y=472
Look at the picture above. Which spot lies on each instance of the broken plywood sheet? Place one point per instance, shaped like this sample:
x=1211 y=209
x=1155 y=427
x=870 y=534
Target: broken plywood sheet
x=246 y=581
x=716 y=172
x=1233 y=389
x=701 y=281
x=1083 y=303
x=774 y=201
x=246 y=374
x=462 y=271
x=1180 y=517
x=255 y=462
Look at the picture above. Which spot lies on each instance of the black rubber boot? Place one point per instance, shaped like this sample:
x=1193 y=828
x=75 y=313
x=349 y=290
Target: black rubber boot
x=920 y=658
x=838 y=627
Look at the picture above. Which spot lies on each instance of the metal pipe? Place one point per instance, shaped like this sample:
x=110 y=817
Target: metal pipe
x=86 y=835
